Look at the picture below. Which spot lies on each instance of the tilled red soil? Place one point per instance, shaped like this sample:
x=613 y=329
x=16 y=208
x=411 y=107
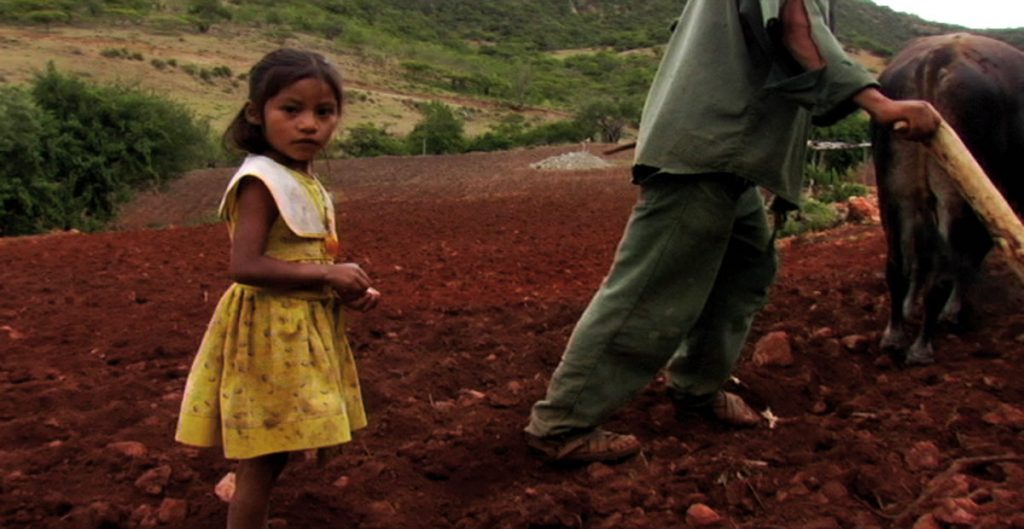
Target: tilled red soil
x=485 y=265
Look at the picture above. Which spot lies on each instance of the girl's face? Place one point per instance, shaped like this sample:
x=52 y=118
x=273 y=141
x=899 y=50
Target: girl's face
x=298 y=122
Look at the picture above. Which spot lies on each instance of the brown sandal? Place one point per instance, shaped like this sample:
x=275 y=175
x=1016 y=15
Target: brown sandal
x=599 y=445
x=723 y=406
x=732 y=410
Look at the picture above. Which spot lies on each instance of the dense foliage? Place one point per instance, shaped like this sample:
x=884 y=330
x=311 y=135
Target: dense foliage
x=524 y=25
x=74 y=151
x=442 y=131
x=27 y=197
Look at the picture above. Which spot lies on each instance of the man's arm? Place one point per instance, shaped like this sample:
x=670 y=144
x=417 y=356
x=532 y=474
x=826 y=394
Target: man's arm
x=796 y=35
x=920 y=117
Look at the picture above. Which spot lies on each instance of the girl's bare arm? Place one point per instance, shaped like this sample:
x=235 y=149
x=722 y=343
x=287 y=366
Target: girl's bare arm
x=250 y=265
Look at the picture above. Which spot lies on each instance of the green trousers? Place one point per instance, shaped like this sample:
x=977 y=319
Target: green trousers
x=692 y=269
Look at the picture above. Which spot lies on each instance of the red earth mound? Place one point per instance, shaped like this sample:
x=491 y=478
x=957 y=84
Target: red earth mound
x=485 y=265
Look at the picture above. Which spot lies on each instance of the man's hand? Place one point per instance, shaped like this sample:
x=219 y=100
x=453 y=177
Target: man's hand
x=915 y=120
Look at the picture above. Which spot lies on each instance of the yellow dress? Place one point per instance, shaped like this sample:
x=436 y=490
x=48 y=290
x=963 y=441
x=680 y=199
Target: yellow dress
x=274 y=372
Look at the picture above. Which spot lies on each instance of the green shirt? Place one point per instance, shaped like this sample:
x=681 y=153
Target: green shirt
x=728 y=98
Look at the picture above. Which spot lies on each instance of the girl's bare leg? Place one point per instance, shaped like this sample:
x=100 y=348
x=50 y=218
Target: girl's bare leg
x=254 y=480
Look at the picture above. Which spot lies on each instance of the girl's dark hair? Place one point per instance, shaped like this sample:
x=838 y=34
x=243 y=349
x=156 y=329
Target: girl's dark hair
x=276 y=71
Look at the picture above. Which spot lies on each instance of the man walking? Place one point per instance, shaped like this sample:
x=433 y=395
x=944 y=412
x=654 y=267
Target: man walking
x=729 y=111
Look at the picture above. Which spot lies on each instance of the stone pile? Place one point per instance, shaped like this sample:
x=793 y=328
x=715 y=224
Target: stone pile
x=571 y=161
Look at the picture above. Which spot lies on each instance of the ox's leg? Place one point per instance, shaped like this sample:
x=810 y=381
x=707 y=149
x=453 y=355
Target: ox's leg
x=921 y=351
x=895 y=338
x=899 y=169
x=966 y=242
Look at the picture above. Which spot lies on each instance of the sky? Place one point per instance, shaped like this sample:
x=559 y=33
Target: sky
x=977 y=14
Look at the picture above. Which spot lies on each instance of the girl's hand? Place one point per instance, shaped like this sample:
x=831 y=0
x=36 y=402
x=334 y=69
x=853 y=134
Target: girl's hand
x=367 y=301
x=348 y=280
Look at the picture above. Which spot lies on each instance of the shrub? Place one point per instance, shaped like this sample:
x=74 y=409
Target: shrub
x=47 y=17
x=221 y=71
x=508 y=133
x=100 y=143
x=27 y=197
x=813 y=215
x=492 y=141
x=841 y=192
x=205 y=13
x=439 y=132
x=830 y=176
x=367 y=140
x=557 y=132
x=122 y=53
x=853 y=130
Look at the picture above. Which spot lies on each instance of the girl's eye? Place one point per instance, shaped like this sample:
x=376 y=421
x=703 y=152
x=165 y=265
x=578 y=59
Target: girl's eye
x=290 y=109
x=326 y=111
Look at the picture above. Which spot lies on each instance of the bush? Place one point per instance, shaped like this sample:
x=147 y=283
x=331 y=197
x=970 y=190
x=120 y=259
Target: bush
x=841 y=192
x=492 y=141
x=82 y=149
x=439 y=132
x=557 y=132
x=27 y=197
x=853 y=130
x=122 y=53
x=813 y=215
x=205 y=13
x=367 y=140
x=47 y=17
x=508 y=133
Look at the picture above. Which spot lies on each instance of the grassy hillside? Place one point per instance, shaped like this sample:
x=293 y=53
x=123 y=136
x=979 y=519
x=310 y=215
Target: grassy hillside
x=863 y=24
x=205 y=70
x=542 y=58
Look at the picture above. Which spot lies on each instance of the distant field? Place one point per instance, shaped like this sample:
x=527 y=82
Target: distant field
x=377 y=93
x=172 y=63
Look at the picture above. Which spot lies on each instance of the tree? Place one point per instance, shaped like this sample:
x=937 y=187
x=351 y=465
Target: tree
x=855 y=129
x=609 y=117
x=439 y=132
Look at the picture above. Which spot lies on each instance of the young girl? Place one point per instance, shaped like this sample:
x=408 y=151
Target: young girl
x=274 y=373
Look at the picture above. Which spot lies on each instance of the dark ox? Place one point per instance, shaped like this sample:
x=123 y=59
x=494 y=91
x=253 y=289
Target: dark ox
x=936 y=242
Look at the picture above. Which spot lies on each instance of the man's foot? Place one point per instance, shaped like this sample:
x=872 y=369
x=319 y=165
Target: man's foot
x=598 y=445
x=723 y=406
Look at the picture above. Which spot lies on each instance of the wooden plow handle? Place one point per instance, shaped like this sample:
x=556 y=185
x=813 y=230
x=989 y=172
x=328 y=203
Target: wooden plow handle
x=967 y=175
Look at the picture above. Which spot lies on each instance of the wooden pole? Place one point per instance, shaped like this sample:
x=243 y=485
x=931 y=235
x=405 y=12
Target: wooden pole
x=620 y=148
x=968 y=176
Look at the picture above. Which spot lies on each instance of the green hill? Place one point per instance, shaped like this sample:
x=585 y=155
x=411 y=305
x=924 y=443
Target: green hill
x=541 y=58
x=437 y=76
x=863 y=24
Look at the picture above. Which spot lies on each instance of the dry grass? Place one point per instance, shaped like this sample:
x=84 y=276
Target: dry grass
x=377 y=93
x=872 y=62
